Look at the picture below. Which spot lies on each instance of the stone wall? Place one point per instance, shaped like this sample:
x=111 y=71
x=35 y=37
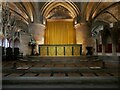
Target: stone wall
x=24 y=40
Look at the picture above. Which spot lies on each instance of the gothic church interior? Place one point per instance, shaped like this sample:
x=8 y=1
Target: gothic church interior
x=60 y=44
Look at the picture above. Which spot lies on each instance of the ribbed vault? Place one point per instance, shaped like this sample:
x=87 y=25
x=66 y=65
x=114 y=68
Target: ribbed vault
x=49 y=6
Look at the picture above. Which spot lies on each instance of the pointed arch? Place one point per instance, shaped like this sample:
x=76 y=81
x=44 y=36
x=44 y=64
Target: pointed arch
x=71 y=7
x=16 y=42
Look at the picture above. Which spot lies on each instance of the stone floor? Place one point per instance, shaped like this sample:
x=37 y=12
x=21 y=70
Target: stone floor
x=82 y=75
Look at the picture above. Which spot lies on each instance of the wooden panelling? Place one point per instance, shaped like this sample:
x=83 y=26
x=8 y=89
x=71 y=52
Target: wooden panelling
x=60 y=50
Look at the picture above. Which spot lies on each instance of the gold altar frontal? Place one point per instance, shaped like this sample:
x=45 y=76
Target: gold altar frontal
x=60 y=50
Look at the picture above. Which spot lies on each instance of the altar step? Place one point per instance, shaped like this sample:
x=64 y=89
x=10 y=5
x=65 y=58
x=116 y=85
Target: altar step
x=36 y=66
x=65 y=59
x=58 y=76
x=58 y=81
x=55 y=74
x=82 y=73
x=58 y=70
x=61 y=86
x=81 y=78
x=55 y=64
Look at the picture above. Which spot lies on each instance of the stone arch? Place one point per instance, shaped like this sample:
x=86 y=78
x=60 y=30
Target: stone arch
x=16 y=42
x=68 y=5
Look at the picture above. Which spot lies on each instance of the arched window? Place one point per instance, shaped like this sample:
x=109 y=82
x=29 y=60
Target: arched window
x=16 y=43
x=0 y=42
x=5 y=43
x=10 y=42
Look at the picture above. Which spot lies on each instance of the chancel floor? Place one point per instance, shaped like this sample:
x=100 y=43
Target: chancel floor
x=83 y=74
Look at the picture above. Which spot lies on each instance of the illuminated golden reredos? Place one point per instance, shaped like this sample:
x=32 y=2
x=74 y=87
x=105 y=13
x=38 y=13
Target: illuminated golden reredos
x=59 y=17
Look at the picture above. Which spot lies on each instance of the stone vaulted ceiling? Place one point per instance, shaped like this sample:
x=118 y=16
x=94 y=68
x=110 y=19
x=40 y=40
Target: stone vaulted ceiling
x=29 y=12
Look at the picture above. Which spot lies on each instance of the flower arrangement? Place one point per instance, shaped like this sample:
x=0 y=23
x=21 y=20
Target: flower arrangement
x=32 y=43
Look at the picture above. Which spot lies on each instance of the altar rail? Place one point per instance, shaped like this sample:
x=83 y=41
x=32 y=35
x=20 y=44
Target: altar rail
x=60 y=50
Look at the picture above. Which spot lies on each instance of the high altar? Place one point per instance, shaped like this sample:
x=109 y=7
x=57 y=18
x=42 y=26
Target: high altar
x=60 y=39
x=60 y=50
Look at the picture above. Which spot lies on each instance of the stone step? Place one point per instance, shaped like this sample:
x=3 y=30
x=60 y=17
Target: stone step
x=61 y=86
x=67 y=74
x=59 y=74
x=103 y=74
x=98 y=63
x=60 y=59
x=58 y=69
x=60 y=79
x=44 y=75
x=47 y=69
x=88 y=74
x=74 y=75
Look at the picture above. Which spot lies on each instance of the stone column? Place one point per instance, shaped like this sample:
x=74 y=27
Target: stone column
x=114 y=50
x=38 y=18
x=24 y=40
x=4 y=39
x=37 y=30
x=1 y=33
x=84 y=37
x=103 y=49
x=114 y=35
x=37 y=48
x=13 y=44
x=104 y=40
x=95 y=50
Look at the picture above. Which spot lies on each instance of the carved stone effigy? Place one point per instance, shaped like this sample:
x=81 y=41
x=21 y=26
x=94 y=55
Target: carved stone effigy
x=60 y=50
